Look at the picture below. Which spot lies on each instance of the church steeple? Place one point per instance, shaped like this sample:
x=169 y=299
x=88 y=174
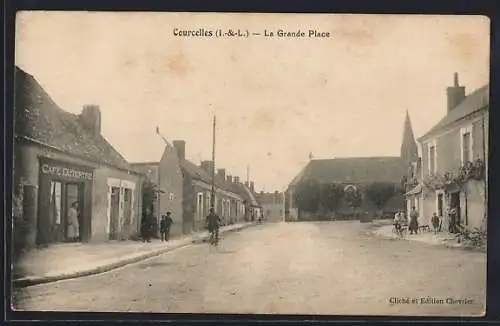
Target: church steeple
x=409 y=149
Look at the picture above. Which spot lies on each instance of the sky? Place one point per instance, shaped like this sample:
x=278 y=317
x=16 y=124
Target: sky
x=276 y=99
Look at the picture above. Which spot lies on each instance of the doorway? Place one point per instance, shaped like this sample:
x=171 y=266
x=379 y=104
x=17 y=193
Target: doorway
x=65 y=211
x=440 y=202
x=73 y=227
x=114 y=214
x=127 y=213
x=455 y=203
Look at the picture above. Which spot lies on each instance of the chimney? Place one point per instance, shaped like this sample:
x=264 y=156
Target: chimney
x=180 y=147
x=208 y=166
x=246 y=184
x=252 y=185
x=91 y=118
x=222 y=173
x=229 y=179
x=236 y=179
x=455 y=94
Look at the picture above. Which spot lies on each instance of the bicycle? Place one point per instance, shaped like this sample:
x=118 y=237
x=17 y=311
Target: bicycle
x=401 y=231
x=214 y=238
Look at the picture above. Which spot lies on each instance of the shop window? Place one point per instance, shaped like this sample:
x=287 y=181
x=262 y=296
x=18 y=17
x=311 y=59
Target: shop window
x=55 y=201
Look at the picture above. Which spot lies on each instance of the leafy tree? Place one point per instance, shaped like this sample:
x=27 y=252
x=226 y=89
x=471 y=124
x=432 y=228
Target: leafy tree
x=149 y=197
x=307 y=196
x=150 y=192
x=331 y=196
x=380 y=193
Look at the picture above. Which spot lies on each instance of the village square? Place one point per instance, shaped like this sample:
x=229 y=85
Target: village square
x=357 y=187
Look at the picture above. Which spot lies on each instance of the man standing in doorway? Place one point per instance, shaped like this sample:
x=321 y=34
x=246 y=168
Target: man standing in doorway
x=452 y=227
x=165 y=224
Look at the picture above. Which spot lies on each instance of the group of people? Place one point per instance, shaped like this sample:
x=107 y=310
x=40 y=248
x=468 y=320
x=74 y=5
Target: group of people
x=400 y=220
x=453 y=221
x=213 y=223
x=148 y=226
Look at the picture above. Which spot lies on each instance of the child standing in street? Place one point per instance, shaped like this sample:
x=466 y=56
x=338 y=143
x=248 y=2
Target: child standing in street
x=435 y=222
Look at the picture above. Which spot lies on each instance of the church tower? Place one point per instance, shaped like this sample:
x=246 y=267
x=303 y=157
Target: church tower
x=409 y=149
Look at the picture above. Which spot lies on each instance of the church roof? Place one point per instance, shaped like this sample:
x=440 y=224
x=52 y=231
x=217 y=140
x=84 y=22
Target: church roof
x=354 y=170
x=409 y=149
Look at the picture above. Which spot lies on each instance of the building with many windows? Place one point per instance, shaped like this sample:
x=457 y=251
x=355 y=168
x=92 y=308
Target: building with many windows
x=453 y=168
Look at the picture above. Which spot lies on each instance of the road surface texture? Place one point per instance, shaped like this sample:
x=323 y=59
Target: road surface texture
x=295 y=268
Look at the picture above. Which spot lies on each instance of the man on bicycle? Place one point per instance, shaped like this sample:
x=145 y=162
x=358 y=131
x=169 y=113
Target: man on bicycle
x=213 y=223
x=398 y=220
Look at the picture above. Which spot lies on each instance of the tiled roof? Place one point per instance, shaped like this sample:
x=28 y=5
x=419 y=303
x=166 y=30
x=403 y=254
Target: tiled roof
x=198 y=173
x=475 y=101
x=149 y=169
x=354 y=170
x=38 y=117
x=247 y=194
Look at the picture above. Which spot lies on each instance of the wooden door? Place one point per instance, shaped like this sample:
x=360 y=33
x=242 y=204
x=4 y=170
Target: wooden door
x=114 y=213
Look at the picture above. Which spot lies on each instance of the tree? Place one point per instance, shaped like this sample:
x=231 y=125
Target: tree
x=149 y=197
x=307 y=196
x=150 y=193
x=331 y=196
x=380 y=193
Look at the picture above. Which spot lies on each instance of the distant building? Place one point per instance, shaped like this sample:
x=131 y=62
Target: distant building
x=253 y=209
x=273 y=206
x=61 y=159
x=356 y=171
x=186 y=190
x=453 y=169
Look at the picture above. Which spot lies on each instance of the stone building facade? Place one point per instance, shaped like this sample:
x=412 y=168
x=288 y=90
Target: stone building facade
x=61 y=160
x=452 y=171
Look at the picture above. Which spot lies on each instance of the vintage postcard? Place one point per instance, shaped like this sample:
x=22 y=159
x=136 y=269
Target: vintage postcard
x=319 y=164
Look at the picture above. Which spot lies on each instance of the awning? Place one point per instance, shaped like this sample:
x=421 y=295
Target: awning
x=416 y=190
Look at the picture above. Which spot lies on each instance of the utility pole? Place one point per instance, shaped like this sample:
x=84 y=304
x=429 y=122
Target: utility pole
x=159 y=191
x=212 y=193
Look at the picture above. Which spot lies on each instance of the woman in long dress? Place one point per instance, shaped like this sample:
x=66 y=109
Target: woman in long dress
x=73 y=225
x=413 y=227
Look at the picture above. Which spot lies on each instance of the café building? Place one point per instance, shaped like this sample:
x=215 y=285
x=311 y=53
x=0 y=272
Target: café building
x=75 y=187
